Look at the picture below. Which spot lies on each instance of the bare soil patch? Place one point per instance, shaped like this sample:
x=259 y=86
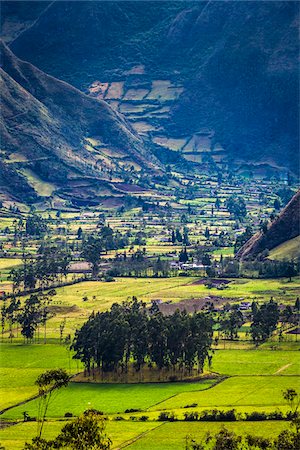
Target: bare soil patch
x=191 y=305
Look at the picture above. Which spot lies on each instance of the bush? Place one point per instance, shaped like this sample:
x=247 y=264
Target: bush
x=215 y=415
x=276 y=415
x=132 y=410
x=93 y=411
x=192 y=405
x=258 y=441
x=109 y=279
x=227 y=416
x=144 y=418
x=191 y=417
x=256 y=416
x=167 y=417
x=68 y=414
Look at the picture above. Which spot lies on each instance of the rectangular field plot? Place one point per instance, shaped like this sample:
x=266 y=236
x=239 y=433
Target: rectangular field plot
x=115 y=90
x=109 y=398
x=254 y=392
x=164 y=90
x=256 y=362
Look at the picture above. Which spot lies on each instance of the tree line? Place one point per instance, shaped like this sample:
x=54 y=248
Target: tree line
x=128 y=333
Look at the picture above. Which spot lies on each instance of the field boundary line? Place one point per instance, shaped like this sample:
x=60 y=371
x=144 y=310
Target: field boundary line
x=23 y=402
x=139 y=436
x=199 y=390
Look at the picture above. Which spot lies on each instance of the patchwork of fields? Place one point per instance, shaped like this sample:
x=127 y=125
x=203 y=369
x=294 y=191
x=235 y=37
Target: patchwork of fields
x=241 y=377
x=255 y=382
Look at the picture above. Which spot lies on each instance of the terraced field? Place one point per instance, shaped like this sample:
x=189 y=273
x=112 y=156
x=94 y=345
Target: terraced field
x=144 y=102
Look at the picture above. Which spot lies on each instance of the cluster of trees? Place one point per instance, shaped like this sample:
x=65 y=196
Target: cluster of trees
x=181 y=237
x=30 y=317
x=265 y=320
x=241 y=239
x=236 y=206
x=94 y=244
x=50 y=265
x=128 y=333
x=137 y=264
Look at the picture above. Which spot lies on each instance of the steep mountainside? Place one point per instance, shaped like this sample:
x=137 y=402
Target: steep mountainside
x=237 y=63
x=52 y=131
x=284 y=228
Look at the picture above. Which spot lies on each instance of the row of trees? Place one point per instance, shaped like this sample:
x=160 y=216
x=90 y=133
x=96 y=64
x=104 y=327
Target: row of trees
x=137 y=264
x=127 y=333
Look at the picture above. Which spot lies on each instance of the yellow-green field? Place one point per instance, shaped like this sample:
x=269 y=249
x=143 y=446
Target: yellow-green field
x=287 y=250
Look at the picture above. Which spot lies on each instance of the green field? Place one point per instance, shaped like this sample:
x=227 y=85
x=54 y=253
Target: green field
x=21 y=364
x=171 y=436
x=287 y=250
x=174 y=289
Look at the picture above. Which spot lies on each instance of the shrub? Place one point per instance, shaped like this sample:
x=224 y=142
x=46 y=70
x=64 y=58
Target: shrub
x=167 y=417
x=227 y=416
x=256 y=416
x=191 y=417
x=93 y=411
x=68 y=414
x=118 y=418
x=192 y=405
x=215 y=415
x=258 y=441
x=132 y=410
x=276 y=415
x=144 y=418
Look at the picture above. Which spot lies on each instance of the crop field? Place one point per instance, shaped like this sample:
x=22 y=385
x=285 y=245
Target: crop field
x=256 y=380
x=21 y=364
x=101 y=294
x=241 y=376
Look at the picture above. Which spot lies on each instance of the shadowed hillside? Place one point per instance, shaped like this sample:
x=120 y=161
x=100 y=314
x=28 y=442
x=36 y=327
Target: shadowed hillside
x=284 y=228
x=237 y=62
x=52 y=131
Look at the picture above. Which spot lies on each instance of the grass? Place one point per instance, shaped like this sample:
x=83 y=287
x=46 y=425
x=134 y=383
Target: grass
x=254 y=391
x=288 y=250
x=13 y=438
x=171 y=436
x=9 y=263
x=109 y=398
x=256 y=362
x=21 y=364
x=43 y=188
x=174 y=289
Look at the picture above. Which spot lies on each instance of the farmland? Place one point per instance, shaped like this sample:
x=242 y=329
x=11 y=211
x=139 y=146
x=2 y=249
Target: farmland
x=243 y=375
x=256 y=381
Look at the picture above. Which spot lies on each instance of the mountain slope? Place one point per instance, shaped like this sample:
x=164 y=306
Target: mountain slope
x=283 y=229
x=61 y=134
x=238 y=62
